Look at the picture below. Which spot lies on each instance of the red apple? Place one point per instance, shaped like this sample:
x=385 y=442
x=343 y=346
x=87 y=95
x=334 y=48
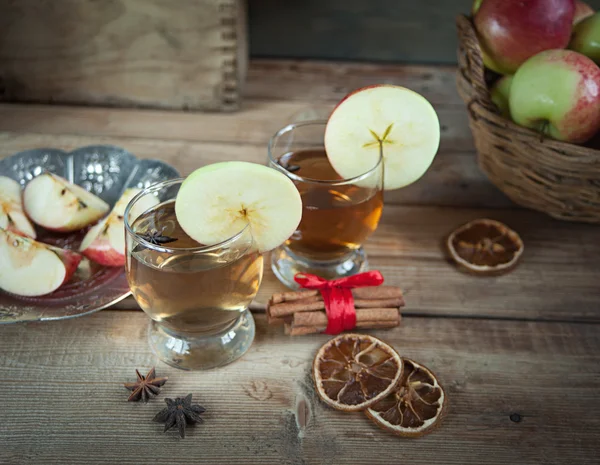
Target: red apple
x=557 y=92
x=105 y=242
x=31 y=268
x=582 y=11
x=12 y=216
x=511 y=31
x=56 y=204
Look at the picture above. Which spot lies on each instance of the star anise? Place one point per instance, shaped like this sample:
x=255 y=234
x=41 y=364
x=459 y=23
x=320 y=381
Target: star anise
x=157 y=238
x=180 y=412
x=145 y=386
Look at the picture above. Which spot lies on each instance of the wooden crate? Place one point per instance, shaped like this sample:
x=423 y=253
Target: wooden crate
x=183 y=54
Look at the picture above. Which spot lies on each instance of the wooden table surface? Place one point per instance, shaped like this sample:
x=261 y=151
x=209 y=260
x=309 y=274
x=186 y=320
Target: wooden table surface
x=527 y=343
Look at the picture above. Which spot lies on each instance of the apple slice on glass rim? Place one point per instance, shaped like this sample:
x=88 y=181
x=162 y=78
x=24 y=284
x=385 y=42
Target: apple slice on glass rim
x=12 y=216
x=383 y=120
x=56 y=204
x=31 y=268
x=218 y=201
x=105 y=242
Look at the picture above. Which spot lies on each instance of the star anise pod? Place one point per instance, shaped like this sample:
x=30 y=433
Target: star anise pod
x=180 y=412
x=145 y=386
x=157 y=238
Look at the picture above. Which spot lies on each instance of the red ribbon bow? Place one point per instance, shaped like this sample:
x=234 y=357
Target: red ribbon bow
x=337 y=295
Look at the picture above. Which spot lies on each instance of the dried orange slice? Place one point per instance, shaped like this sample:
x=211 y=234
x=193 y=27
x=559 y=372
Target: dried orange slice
x=353 y=371
x=485 y=247
x=414 y=407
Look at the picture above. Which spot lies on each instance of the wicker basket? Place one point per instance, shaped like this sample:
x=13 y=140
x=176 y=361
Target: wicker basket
x=558 y=178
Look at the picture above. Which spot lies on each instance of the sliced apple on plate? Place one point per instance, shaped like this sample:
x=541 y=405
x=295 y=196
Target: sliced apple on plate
x=391 y=120
x=105 y=242
x=56 y=204
x=31 y=268
x=218 y=201
x=12 y=216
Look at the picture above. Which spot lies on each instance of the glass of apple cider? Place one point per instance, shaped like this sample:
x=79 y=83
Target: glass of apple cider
x=338 y=214
x=197 y=296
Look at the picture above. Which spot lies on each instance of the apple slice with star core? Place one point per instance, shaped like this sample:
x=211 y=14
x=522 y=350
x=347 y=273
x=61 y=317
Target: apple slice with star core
x=393 y=119
x=31 y=268
x=56 y=204
x=12 y=216
x=218 y=201
x=105 y=242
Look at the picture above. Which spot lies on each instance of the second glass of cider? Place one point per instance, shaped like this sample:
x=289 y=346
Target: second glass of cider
x=338 y=214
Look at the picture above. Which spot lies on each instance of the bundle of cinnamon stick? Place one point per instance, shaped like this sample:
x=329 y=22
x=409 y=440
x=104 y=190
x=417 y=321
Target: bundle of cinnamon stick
x=303 y=312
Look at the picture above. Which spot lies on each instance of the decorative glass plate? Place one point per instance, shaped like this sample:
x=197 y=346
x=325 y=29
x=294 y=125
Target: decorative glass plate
x=106 y=171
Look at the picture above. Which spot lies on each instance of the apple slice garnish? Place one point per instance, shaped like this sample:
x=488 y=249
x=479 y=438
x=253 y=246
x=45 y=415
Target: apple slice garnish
x=31 y=268
x=105 y=242
x=56 y=204
x=12 y=216
x=218 y=201
x=393 y=119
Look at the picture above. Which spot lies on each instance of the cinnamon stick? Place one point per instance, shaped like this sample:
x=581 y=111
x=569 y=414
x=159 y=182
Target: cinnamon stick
x=378 y=315
x=374 y=292
x=309 y=305
x=303 y=330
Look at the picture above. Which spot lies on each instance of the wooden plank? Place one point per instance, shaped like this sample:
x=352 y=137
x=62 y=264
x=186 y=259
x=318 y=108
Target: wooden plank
x=319 y=81
x=453 y=179
x=63 y=402
x=557 y=278
x=141 y=53
x=255 y=125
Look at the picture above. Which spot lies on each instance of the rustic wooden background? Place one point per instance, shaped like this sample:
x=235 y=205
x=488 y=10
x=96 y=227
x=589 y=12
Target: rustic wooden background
x=414 y=31
x=189 y=55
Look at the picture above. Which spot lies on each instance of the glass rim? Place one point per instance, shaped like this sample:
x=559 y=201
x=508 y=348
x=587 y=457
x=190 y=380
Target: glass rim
x=171 y=250
x=324 y=182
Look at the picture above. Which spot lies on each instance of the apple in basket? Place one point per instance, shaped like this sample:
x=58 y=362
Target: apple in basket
x=557 y=92
x=586 y=38
x=31 y=268
x=511 y=31
x=582 y=11
x=500 y=93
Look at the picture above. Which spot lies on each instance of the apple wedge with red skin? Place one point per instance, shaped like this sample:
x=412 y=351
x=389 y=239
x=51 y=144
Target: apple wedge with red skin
x=12 y=216
x=58 y=205
x=31 y=268
x=105 y=242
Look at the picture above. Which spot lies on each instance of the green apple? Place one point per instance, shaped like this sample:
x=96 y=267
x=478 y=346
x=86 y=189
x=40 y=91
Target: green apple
x=475 y=7
x=557 y=92
x=586 y=37
x=500 y=93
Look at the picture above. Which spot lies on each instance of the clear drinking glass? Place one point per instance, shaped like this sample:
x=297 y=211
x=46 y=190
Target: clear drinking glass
x=338 y=214
x=197 y=296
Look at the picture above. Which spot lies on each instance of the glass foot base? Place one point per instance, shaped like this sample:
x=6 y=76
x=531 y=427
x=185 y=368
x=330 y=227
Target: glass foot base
x=285 y=264
x=204 y=350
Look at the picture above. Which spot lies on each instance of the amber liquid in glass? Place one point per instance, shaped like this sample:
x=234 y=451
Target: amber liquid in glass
x=335 y=219
x=186 y=291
